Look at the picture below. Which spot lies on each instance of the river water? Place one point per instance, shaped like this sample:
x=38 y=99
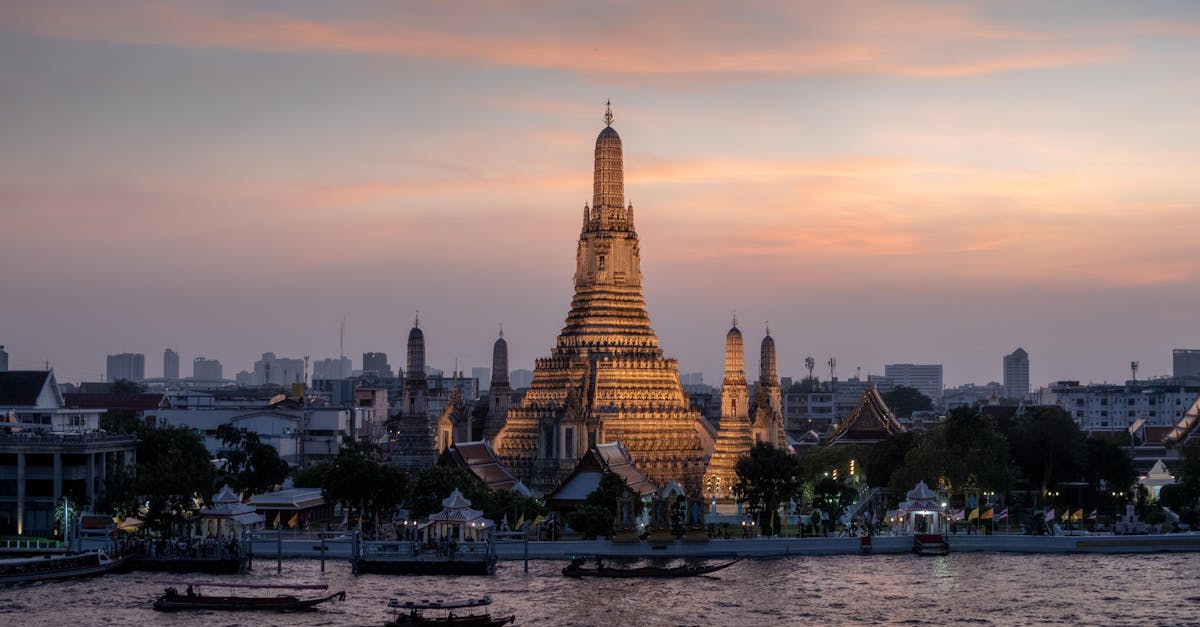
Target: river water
x=980 y=588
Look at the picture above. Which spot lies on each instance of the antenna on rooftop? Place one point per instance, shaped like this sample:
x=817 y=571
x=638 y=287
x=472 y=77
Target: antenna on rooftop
x=341 y=351
x=1133 y=365
x=832 y=368
x=810 y=363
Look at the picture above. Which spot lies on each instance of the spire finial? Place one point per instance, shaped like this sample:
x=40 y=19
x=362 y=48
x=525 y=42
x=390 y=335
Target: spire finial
x=608 y=116
x=768 y=327
x=733 y=312
x=501 y=330
x=417 y=319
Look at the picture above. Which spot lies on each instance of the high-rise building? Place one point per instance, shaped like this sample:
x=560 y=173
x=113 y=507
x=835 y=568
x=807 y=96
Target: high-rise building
x=204 y=369
x=128 y=366
x=3 y=359
x=1185 y=362
x=376 y=364
x=484 y=376
x=170 y=365
x=606 y=378
x=1016 y=374
x=926 y=378
x=279 y=371
x=520 y=378
x=332 y=368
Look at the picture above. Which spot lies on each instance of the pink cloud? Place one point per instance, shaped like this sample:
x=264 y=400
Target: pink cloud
x=660 y=39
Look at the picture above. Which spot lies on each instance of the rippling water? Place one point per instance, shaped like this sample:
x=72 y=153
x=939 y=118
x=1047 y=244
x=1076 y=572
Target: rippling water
x=969 y=587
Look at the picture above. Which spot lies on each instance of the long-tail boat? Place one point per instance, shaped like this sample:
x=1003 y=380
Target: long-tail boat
x=414 y=613
x=172 y=600
x=577 y=569
x=52 y=567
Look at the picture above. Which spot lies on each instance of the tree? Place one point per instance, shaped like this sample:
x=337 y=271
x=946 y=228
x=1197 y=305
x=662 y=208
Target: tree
x=903 y=401
x=366 y=487
x=1188 y=472
x=435 y=483
x=595 y=517
x=964 y=452
x=251 y=466
x=123 y=421
x=1048 y=446
x=767 y=478
x=120 y=492
x=832 y=497
x=1106 y=463
x=124 y=388
x=173 y=470
x=886 y=456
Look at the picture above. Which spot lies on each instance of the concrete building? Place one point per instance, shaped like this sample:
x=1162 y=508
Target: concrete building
x=332 y=368
x=483 y=375
x=520 y=378
x=1185 y=362
x=3 y=359
x=376 y=364
x=48 y=451
x=924 y=377
x=970 y=394
x=170 y=365
x=128 y=366
x=244 y=378
x=302 y=433
x=1016 y=375
x=279 y=371
x=1114 y=408
x=204 y=369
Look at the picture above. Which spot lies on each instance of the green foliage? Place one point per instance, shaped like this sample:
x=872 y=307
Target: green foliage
x=369 y=489
x=251 y=466
x=832 y=497
x=1105 y=461
x=595 y=517
x=1048 y=447
x=885 y=457
x=1188 y=472
x=120 y=496
x=124 y=388
x=437 y=482
x=173 y=469
x=963 y=452
x=767 y=478
x=123 y=421
x=903 y=401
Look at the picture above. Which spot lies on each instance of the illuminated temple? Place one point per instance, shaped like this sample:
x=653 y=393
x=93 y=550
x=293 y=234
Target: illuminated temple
x=606 y=378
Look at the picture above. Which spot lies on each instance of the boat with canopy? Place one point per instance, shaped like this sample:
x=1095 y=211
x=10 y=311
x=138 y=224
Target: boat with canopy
x=172 y=600
x=417 y=613
x=53 y=567
x=577 y=569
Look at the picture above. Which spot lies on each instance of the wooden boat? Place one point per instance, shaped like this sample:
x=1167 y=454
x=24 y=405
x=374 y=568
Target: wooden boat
x=577 y=569
x=930 y=544
x=414 y=613
x=173 y=601
x=52 y=567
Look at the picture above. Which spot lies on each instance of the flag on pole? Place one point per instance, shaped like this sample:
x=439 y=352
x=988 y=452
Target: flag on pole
x=293 y=520
x=536 y=520
x=277 y=514
x=1077 y=516
x=974 y=514
x=1050 y=514
x=521 y=521
x=1066 y=515
x=1003 y=515
x=1092 y=516
x=988 y=514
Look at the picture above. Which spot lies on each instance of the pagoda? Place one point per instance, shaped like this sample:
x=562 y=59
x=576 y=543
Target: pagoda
x=606 y=378
x=415 y=443
x=735 y=437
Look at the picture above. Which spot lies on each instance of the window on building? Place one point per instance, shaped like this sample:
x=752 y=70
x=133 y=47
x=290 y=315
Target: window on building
x=1104 y=401
x=1079 y=402
x=1132 y=413
x=602 y=265
x=1079 y=414
x=570 y=443
x=1104 y=413
x=1132 y=402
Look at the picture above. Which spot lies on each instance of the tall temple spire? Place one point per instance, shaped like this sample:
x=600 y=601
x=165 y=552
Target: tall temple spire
x=766 y=363
x=606 y=378
x=608 y=185
x=416 y=351
x=608 y=116
x=734 y=437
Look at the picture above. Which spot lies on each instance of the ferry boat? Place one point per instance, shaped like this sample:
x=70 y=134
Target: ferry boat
x=53 y=567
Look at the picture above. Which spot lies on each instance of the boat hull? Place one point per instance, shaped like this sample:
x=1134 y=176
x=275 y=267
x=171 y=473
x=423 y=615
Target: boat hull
x=33 y=570
x=645 y=571
x=241 y=604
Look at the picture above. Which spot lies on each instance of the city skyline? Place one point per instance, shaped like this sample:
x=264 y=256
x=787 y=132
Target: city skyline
x=883 y=182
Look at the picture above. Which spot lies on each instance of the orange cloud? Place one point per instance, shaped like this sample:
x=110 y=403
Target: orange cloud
x=675 y=39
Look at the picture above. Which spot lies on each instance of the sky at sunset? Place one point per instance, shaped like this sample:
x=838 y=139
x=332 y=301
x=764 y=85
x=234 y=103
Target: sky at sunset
x=884 y=181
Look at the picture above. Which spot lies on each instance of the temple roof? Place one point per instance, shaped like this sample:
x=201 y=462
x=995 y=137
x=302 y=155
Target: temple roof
x=610 y=457
x=871 y=421
x=479 y=459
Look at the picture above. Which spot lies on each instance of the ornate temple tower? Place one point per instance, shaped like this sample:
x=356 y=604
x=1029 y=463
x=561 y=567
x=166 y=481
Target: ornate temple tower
x=499 y=392
x=768 y=417
x=606 y=378
x=415 y=445
x=454 y=424
x=734 y=439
